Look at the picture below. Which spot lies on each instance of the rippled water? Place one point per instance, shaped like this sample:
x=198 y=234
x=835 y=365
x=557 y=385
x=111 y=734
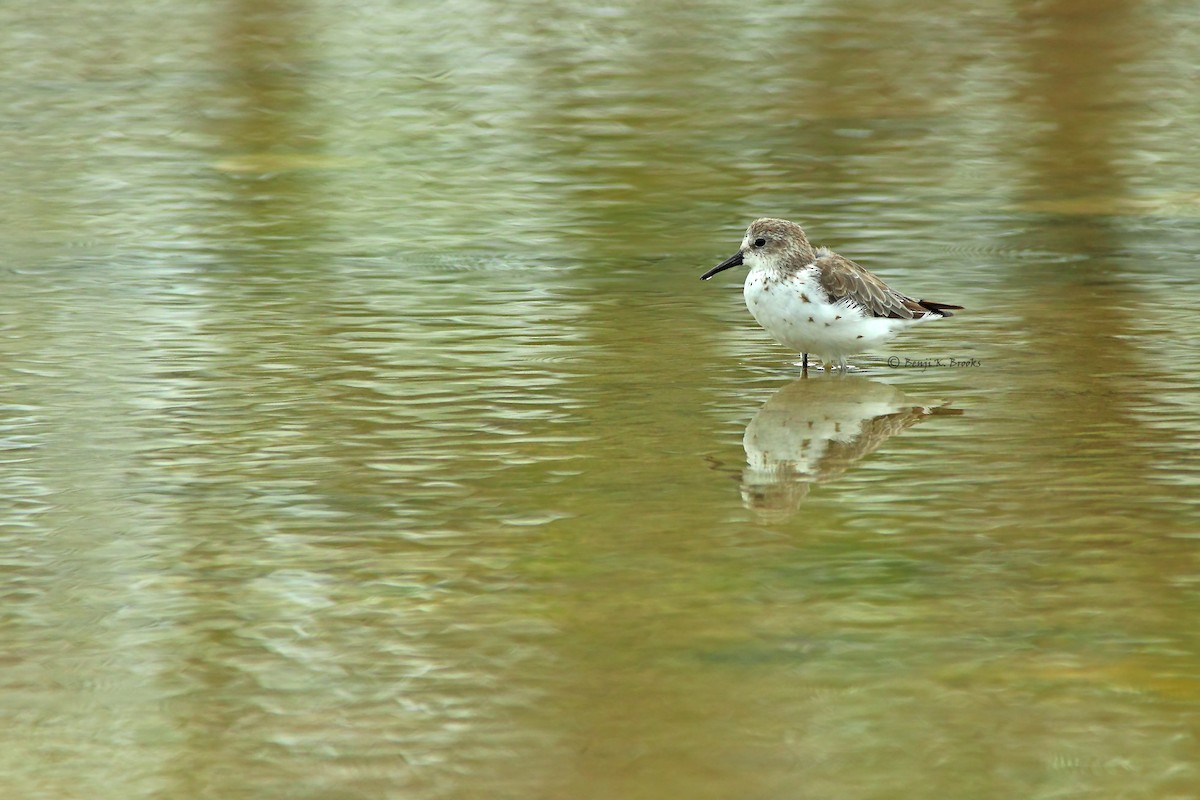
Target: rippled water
x=365 y=429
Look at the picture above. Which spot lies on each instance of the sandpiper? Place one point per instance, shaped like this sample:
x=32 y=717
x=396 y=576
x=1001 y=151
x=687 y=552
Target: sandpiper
x=815 y=301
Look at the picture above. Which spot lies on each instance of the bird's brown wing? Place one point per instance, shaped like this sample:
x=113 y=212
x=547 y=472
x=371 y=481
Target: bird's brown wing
x=842 y=279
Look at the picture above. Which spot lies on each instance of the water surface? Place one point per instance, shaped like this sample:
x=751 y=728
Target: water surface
x=366 y=431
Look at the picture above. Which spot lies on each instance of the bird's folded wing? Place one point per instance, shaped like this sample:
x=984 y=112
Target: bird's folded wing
x=842 y=279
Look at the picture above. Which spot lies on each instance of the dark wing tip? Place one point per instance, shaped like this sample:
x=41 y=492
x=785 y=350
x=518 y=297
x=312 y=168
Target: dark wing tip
x=942 y=309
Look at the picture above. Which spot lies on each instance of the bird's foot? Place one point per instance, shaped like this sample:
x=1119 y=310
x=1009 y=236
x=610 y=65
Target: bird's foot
x=805 y=363
x=842 y=368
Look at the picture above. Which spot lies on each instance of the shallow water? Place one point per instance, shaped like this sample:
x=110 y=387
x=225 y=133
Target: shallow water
x=366 y=431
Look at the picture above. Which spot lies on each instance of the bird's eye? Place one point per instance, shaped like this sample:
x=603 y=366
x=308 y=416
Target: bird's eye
x=760 y=242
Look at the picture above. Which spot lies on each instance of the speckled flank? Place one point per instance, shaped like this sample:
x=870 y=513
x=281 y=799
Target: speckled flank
x=798 y=315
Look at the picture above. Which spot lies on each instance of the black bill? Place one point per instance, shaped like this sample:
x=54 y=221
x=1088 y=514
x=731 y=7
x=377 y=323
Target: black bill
x=734 y=260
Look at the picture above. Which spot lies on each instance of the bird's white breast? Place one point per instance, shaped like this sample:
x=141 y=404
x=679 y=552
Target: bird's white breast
x=796 y=311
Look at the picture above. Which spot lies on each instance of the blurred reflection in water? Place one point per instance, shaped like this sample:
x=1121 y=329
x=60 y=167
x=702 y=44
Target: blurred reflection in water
x=813 y=430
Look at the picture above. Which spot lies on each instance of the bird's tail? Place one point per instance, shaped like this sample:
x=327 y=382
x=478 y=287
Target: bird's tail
x=941 y=309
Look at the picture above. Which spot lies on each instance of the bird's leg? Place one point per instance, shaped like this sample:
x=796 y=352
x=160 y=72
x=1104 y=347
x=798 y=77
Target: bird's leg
x=804 y=363
x=842 y=364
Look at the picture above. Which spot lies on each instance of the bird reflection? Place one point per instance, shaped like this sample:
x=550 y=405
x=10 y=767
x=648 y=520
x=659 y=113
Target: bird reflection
x=811 y=431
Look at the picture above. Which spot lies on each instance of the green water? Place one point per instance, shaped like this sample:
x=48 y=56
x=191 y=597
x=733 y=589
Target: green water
x=366 y=431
